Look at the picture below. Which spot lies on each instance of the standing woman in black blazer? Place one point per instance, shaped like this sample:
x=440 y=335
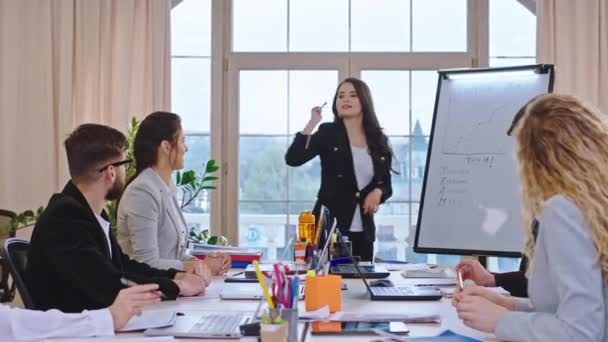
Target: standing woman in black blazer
x=355 y=163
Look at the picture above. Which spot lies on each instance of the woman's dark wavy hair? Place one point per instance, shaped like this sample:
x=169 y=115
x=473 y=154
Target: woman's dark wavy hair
x=377 y=141
x=153 y=130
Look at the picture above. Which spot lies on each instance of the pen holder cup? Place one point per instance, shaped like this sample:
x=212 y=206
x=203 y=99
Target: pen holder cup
x=273 y=332
x=323 y=290
x=291 y=318
x=341 y=249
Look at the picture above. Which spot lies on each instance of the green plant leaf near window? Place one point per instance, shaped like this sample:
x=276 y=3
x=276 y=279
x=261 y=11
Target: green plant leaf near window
x=22 y=220
x=191 y=184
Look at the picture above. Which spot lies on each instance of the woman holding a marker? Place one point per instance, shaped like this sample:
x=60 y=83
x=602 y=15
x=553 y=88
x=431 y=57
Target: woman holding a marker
x=563 y=163
x=355 y=163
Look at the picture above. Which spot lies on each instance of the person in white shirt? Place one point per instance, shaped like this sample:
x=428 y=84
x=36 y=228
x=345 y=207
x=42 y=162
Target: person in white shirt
x=30 y=325
x=562 y=148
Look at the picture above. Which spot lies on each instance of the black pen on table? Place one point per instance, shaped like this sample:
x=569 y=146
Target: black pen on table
x=131 y=283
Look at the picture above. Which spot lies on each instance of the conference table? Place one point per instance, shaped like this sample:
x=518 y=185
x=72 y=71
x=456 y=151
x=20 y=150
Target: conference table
x=354 y=299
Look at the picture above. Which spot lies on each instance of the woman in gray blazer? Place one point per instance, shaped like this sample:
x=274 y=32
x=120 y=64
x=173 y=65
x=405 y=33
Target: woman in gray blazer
x=151 y=226
x=562 y=148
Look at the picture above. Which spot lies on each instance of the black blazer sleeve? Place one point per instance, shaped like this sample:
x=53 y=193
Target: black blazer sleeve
x=386 y=186
x=514 y=282
x=305 y=147
x=141 y=269
x=78 y=260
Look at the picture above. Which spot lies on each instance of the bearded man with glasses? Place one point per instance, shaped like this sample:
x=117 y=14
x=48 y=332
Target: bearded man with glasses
x=74 y=262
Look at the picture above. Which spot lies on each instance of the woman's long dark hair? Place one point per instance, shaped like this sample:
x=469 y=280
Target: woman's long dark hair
x=377 y=141
x=153 y=130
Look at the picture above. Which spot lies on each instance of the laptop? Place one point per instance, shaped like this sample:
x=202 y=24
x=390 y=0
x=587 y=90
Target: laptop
x=400 y=292
x=365 y=271
x=216 y=325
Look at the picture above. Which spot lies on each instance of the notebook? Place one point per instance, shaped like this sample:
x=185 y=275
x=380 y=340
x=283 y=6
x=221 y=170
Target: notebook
x=398 y=292
x=248 y=291
x=150 y=319
x=216 y=325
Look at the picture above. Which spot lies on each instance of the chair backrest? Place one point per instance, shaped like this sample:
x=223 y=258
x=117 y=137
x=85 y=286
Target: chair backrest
x=7 y=290
x=14 y=252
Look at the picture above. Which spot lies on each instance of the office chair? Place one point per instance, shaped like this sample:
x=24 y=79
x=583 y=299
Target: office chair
x=14 y=253
x=7 y=290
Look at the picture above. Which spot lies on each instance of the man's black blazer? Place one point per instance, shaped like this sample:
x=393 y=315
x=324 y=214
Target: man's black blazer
x=69 y=265
x=339 y=191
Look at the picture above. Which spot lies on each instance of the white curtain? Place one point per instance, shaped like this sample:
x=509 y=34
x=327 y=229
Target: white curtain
x=66 y=62
x=573 y=35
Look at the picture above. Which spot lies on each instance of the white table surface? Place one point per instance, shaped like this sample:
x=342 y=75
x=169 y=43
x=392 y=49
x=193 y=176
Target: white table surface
x=354 y=299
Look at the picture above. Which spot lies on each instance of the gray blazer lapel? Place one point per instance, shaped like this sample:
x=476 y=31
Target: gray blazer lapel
x=181 y=216
x=168 y=202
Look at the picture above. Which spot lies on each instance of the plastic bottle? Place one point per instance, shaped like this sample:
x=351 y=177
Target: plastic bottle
x=306 y=226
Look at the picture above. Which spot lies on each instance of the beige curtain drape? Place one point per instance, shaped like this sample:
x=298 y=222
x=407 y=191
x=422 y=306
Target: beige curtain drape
x=66 y=62
x=573 y=35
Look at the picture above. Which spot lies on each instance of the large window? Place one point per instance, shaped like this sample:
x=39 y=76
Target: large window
x=272 y=105
x=349 y=25
x=279 y=58
x=190 y=90
x=510 y=45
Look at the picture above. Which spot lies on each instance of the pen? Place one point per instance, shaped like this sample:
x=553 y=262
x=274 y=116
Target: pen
x=131 y=283
x=236 y=274
x=460 y=282
x=294 y=292
x=326 y=268
x=258 y=273
x=435 y=285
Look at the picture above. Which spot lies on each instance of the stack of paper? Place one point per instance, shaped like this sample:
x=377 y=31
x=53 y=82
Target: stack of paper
x=240 y=256
x=384 y=317
x=428 y=272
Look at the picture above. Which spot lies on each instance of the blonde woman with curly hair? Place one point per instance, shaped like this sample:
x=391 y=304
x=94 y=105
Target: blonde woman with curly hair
x=562 y=148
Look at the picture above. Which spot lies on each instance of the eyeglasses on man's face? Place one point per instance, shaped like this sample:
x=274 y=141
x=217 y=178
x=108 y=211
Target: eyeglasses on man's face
x=116 y=164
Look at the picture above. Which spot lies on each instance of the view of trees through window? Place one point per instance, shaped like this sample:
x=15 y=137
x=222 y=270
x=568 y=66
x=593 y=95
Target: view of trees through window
x=274 y=103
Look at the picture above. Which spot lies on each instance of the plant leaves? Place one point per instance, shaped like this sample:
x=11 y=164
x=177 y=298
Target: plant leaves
x=188 y=177
x=211 y=166
x=210 y=178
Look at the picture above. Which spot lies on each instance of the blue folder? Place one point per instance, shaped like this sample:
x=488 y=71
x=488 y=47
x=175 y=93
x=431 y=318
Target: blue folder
x=446 y=336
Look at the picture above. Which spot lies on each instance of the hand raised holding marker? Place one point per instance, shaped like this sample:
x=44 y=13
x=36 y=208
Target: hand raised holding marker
x=315 y=118
x=315 y=113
